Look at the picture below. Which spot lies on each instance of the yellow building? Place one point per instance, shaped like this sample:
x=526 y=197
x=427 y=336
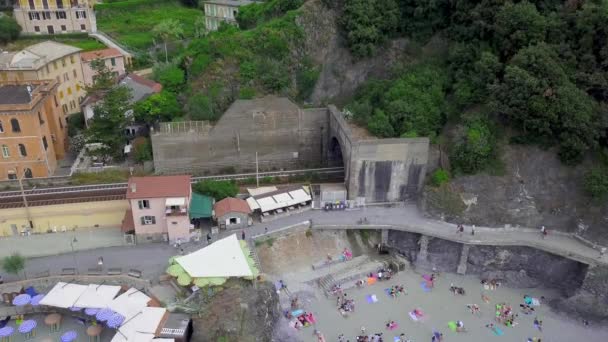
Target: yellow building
x=59 y=217
x=48 y=60
x=32 y=131
x=55 y=16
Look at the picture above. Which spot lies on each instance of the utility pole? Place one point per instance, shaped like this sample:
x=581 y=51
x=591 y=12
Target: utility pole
x=27 y=208
x=257 y=174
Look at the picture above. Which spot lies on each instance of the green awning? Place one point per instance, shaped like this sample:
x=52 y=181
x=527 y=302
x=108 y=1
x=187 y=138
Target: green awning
x=201 y=206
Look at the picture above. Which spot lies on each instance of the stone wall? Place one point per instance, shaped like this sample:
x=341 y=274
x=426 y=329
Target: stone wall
x=591 y=299
x=283 y=135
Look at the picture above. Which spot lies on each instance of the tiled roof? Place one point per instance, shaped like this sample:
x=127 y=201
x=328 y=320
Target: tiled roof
x=158 y=187
x=228 y=205
x=15 y=94
x=103 y=54
x=36 y=56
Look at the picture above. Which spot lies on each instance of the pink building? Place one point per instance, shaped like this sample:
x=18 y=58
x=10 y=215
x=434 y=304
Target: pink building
x=159 y=208
x=113 y=59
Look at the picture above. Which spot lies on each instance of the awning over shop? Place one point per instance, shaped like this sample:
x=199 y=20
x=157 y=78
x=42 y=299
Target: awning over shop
x=175 y=201
x=201 y=206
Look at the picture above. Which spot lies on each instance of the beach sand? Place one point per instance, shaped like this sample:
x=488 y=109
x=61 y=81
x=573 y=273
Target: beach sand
x=440 y=307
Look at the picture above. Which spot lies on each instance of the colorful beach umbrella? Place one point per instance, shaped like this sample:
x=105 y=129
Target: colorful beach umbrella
x=36 y=299
x=184 y=279
x=104 y=314
x=175 y=270
x=116 y=320
x=91 y=311
x=22 y=299
x=6 y=331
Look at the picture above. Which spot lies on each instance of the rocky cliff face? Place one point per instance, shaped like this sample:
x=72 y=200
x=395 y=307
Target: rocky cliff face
x=341 y=73
x=536 y=189
x=238 y=313
x=591 y=300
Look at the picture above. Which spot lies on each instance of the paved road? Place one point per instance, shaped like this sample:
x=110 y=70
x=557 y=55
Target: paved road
x=152 y=259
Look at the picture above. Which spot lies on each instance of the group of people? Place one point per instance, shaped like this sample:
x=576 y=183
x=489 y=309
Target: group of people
x=345 y=304
x=505 y=314
x=396 y=290
x=490 y=284
x=457 y=290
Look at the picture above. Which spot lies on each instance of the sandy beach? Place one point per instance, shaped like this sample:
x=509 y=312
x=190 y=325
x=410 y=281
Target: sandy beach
x=441 y=306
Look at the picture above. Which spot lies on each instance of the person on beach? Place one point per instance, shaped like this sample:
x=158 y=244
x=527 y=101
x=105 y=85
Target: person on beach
x=538 y=324
x=543 y=232
x=602 y=252
x=208 y=238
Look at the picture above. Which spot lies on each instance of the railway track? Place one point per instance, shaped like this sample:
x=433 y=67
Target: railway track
x=84 y=193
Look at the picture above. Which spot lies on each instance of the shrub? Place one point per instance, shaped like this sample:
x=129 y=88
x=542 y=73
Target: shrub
x=142 y=150
x=170 y=76
x=14 y=263
x=439 y=177
x=596 y=183
x=216 y=189
x=103 y=177
x=475 y=150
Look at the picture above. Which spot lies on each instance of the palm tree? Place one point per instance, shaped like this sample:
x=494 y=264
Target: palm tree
x=13 y=264
x=167 y=29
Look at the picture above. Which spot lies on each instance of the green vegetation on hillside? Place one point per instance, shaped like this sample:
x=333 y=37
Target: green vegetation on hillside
x=9 y=29
x=82 y=41
x=131 y=22
x=216 y=189
x=539 y=68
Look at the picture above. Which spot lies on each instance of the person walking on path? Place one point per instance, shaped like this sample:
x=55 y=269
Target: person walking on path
x=208 y=238
x=543 y=232
x=243 y=235
x=266 y=230
x=473 y=230
x=602 y=252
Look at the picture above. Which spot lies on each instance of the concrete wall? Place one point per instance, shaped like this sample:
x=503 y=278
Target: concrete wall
x=73 y=215
x=381 y=170
x=283 y=135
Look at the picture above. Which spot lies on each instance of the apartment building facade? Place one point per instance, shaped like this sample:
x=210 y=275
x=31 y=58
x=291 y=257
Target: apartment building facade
x=55 y=16
x=112 y=58
x=219 y=11
x=44 y=61
x=32 y=130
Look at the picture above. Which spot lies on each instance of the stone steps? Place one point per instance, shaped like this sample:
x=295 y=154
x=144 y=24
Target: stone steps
x=464 y=257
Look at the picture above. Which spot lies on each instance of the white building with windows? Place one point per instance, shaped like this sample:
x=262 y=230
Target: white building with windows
x=218 y=11
x=55 y=16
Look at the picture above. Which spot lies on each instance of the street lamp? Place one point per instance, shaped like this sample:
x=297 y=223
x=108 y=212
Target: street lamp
x=72 y=242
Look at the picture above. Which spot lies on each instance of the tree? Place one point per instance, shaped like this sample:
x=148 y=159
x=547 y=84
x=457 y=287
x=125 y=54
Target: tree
x=9 y=29
x=216 y=189
x=596 y=183
x=475 y=149
x=518 y=25
x=162 y=106
x=368 y=23
x=170 y=76
x=200 y=27
x=379 y=125
x=110 y=121
x=103 y=78
x=13 y=264
x=166 y=30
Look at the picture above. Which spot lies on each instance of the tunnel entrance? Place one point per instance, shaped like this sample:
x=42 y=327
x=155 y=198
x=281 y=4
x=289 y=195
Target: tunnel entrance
x=335 y=158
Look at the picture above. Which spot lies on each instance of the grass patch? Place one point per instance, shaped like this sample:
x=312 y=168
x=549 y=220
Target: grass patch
x=85 y=43
x=308 y=233
x=107 y=176
x=269 y=242
x=364 y=233
x=131 y=22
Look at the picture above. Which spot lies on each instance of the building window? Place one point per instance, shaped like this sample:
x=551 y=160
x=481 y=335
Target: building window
x=12 y=175
x=145 y=220
x=47 y=68
x=5 y=151
x=1 y=127
x=61 y=94
x=83 y=27
x=63 y=62
x=15 y=125
x=63 y=28
x=27 y=173
x=36 y=28
x=81 y=14
x=46 y=15
x=55 y=67
x=72 y=60
x=74 y=73
x=58 y=79
x=40 y=118
x=113 y=61
x=45 y=143
x=65 y=108
x=55 y=99
x=34 y=15
x=143 y=204
x=31 y=3
x=69 y=90
x=60 y=123
x=22 y=150
x=77 y=85
x=60 y=15
x=59 y=4
x=45 y=4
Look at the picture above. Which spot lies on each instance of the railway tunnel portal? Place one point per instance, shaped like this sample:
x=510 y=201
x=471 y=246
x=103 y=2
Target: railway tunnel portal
x=277 y=134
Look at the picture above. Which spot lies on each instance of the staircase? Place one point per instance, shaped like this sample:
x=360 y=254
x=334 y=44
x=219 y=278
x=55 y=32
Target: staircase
x=254 y=255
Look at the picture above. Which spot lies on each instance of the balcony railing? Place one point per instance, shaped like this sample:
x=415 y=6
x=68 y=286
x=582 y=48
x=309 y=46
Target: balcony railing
x=176 y=211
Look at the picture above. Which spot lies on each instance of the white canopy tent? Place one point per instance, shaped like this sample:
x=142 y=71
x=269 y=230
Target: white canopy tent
x=142 y=326
x=223 y=258
x=63 y=295
x=280 y=200
x=129 y=303
x=97 y=296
